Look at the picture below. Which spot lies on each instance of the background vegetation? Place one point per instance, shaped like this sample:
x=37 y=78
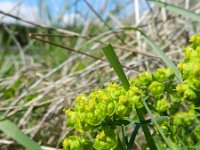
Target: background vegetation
x=38 y=80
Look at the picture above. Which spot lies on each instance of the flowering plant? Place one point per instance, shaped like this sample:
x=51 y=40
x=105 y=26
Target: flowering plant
x=98 y=117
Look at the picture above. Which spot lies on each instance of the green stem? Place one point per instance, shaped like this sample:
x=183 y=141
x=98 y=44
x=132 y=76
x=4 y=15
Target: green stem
x=120 y=145
x=148 y=136
x=167 y=141
x=124 y=136
x=133 y=136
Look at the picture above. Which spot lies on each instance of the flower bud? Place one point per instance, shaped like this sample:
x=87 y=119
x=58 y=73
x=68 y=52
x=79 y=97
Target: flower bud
x=162 y=105
x=76 y=143
x=144 y=78
x=106 y=140
x=196 y=69
x=156 y=88
x=195 y=39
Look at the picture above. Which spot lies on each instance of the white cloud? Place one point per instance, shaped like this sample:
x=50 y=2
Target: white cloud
x=31 y=13
x=70 y=19
x=21 y=10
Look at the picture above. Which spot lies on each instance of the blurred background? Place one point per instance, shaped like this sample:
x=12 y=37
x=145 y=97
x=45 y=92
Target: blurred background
x=38 y=78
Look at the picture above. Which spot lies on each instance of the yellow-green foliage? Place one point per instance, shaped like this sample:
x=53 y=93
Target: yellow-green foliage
x=96 y=113
x=112 y=103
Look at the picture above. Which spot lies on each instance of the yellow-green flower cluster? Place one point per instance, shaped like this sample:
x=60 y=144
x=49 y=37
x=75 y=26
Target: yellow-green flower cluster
x=190 y=70
x=98 y=112
x=156 y=88
x=75 y=143
x=109 y=104
x=106 y=140
x=162 y=105
x=100 y=108
x=163 y=74
x=143 y=79
x=155 y=85
x=184 y=118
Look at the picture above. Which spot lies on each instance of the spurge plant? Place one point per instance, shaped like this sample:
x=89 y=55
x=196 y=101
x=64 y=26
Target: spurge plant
x=101 y=119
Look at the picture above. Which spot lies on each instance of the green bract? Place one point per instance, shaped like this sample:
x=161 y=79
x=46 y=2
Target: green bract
x=162 y=74
x=75 y=143
x=103 y=104
x=156 y=88
x=144 y=78
x=162 y=105
x=106 y=140
x=184 y=118
x=190 y=69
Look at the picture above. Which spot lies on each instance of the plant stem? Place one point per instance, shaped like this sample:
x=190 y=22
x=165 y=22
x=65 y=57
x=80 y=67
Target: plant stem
x=167 y=141
x=120 y=145
x=124 y=136
x=133 y=135
x=148 y=136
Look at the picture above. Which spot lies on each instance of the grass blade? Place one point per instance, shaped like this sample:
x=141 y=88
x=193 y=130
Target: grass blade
x=114 y=61
x=178 y=10
x=158 y=50
x=197 y=109
x=13 y=131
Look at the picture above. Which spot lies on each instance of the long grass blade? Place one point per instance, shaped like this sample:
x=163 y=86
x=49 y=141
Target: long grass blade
x=158 y=50
x=178 y=10
x=14 y=132
x=114 y=61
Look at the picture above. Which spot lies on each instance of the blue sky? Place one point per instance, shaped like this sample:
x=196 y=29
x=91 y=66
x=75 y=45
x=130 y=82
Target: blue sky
x=68 y=8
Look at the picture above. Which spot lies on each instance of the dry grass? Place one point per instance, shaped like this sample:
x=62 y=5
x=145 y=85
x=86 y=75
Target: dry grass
x=41 y=93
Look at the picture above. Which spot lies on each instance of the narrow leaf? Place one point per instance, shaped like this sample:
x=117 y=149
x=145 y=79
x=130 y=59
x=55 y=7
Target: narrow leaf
x=133 y=136
x=120 y=146
x=178 y=10
x=125 y=137
x=161 y=118
x=156 y=48
x=197 y=109
x=122 y=122
x=114 y=61
x=14 y=132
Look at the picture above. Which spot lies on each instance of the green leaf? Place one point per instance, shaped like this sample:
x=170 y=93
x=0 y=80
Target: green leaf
x=158 y=50
x=196 y=146
x=14 y=132
x=120 y=146
x=114 y=61
x=161 y=118
x=178 y=10
x=122 y=122
x=197 y=109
